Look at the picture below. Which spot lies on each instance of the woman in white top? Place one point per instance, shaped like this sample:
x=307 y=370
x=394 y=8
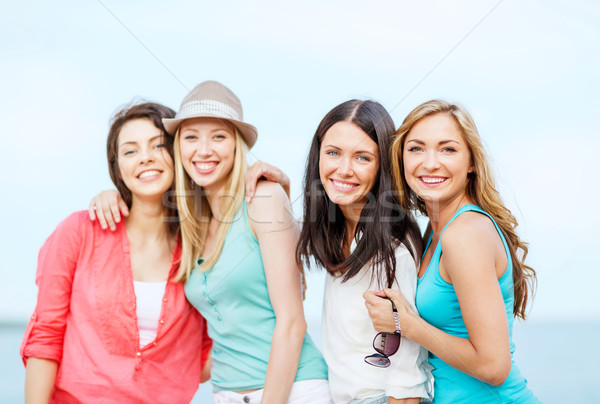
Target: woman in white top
x=354 y=228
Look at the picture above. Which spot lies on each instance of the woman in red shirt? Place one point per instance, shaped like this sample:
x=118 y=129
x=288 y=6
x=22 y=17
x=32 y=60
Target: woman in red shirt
x=110 y=323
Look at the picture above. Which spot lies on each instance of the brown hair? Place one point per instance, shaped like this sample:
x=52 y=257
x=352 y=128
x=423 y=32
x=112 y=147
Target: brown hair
x=154 y=113
x=383 y=224
x=481 y=188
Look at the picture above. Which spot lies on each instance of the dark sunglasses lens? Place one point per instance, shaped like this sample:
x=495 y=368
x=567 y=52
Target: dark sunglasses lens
x=377 y=360
x=386 y=343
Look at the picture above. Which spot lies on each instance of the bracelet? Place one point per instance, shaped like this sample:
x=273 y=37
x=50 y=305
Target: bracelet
x=396 y=319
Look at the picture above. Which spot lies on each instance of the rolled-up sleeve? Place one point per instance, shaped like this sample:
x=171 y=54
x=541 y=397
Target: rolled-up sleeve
x=57 y=262
x=409 y=374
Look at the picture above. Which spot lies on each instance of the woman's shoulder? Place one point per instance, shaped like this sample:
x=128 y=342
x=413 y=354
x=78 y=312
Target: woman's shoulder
x=79 y=220
x=269 y=189
x=268 y=200
x=78 y=224
x=471 y=229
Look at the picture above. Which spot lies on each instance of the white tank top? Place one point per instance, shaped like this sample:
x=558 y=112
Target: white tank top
x=149 y=296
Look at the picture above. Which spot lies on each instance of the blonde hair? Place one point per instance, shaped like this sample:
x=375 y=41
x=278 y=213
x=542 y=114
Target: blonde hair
x=481 y=189
x=195 y=213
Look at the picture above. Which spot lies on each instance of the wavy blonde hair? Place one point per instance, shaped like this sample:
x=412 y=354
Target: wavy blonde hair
x=195 y=213
x=481 y=189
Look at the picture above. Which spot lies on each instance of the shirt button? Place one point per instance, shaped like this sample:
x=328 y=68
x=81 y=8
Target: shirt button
x=165 y=299
x=162 y=321
x=139 y=354
x=246 y=399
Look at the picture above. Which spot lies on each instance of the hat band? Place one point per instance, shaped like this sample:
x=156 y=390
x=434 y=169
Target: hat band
x=207 y=108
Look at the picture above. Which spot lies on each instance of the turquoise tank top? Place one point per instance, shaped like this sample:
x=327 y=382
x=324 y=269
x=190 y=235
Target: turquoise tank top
x=234 y=299
x=437 y=304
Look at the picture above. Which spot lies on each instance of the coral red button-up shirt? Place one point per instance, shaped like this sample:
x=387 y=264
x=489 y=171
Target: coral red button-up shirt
x=85 y=319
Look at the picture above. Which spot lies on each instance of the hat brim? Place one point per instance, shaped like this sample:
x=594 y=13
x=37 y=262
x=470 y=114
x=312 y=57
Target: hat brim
x=248 y=132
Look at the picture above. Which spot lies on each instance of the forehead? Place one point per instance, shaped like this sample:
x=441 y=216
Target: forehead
x=440 y=126
x=202 y=124
x=348 y=136
x=138 y=130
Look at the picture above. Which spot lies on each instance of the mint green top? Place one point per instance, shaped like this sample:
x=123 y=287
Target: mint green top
x=234 y=299
x=438 y=304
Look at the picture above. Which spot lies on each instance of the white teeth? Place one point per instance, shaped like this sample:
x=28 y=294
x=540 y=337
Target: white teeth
x=432 y=180
x=343 y=185
x=205 y=166
x=150 y=173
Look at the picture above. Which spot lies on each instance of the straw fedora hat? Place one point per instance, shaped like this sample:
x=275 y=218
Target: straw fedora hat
x=213 y=100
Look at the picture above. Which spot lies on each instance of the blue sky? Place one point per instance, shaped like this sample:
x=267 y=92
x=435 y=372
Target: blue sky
x=527 y=71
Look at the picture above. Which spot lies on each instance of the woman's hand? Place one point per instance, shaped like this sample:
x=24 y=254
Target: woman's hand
x=261 y=170
x=107 y=207
x=380 y=310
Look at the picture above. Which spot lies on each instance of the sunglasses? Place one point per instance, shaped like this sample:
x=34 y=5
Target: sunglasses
x=386 y=344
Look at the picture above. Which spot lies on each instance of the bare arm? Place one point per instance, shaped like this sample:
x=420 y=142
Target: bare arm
x=107 y=207
x=486 y=353
x=40 y=376
x=393 y=400
x=261 y=170
x=277 y=234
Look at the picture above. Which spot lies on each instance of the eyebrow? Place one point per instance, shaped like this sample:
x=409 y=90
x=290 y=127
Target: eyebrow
x=354 y=151
x=132 y=142
x=442 y=142
x=223 y=128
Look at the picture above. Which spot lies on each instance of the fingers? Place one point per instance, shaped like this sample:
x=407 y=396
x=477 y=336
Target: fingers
x=92 y=210
x=251 y=180
x=114 y=214
x=370 y=297
x=380 y=311
x=106 y=209
x=100 y=214
x=123 y=207
x=261 y=170
x=395 y=295
x=252 y=176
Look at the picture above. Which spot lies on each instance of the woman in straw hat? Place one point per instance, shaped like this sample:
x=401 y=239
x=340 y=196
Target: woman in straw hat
x=238 y=260
x=472 y=280
x=111 y=324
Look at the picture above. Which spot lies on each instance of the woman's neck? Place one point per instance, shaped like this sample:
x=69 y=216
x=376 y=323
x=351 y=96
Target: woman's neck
x=215 y=200
x=146 y=220
x=351 y=217
x=440 y=213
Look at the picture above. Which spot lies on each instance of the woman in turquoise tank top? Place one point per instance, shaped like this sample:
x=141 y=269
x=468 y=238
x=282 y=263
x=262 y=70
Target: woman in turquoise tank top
x=472 y=280
x=247 y=282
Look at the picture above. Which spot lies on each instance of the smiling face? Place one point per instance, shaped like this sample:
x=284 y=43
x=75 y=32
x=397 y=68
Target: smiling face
x=348 y=165
x=144 y=165
x=207 y=147
x=437 y=160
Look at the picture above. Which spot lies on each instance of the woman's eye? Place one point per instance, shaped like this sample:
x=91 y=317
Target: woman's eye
x=189 y=137
x=449 y=149
x=128 y=152
x=332 y=153
x=160 y=145
x=414 y=149
x=219 y=137
x=364 y=158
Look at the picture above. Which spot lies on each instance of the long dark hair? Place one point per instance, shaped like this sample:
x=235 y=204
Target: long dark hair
x=383 y=224
x=154 y=113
